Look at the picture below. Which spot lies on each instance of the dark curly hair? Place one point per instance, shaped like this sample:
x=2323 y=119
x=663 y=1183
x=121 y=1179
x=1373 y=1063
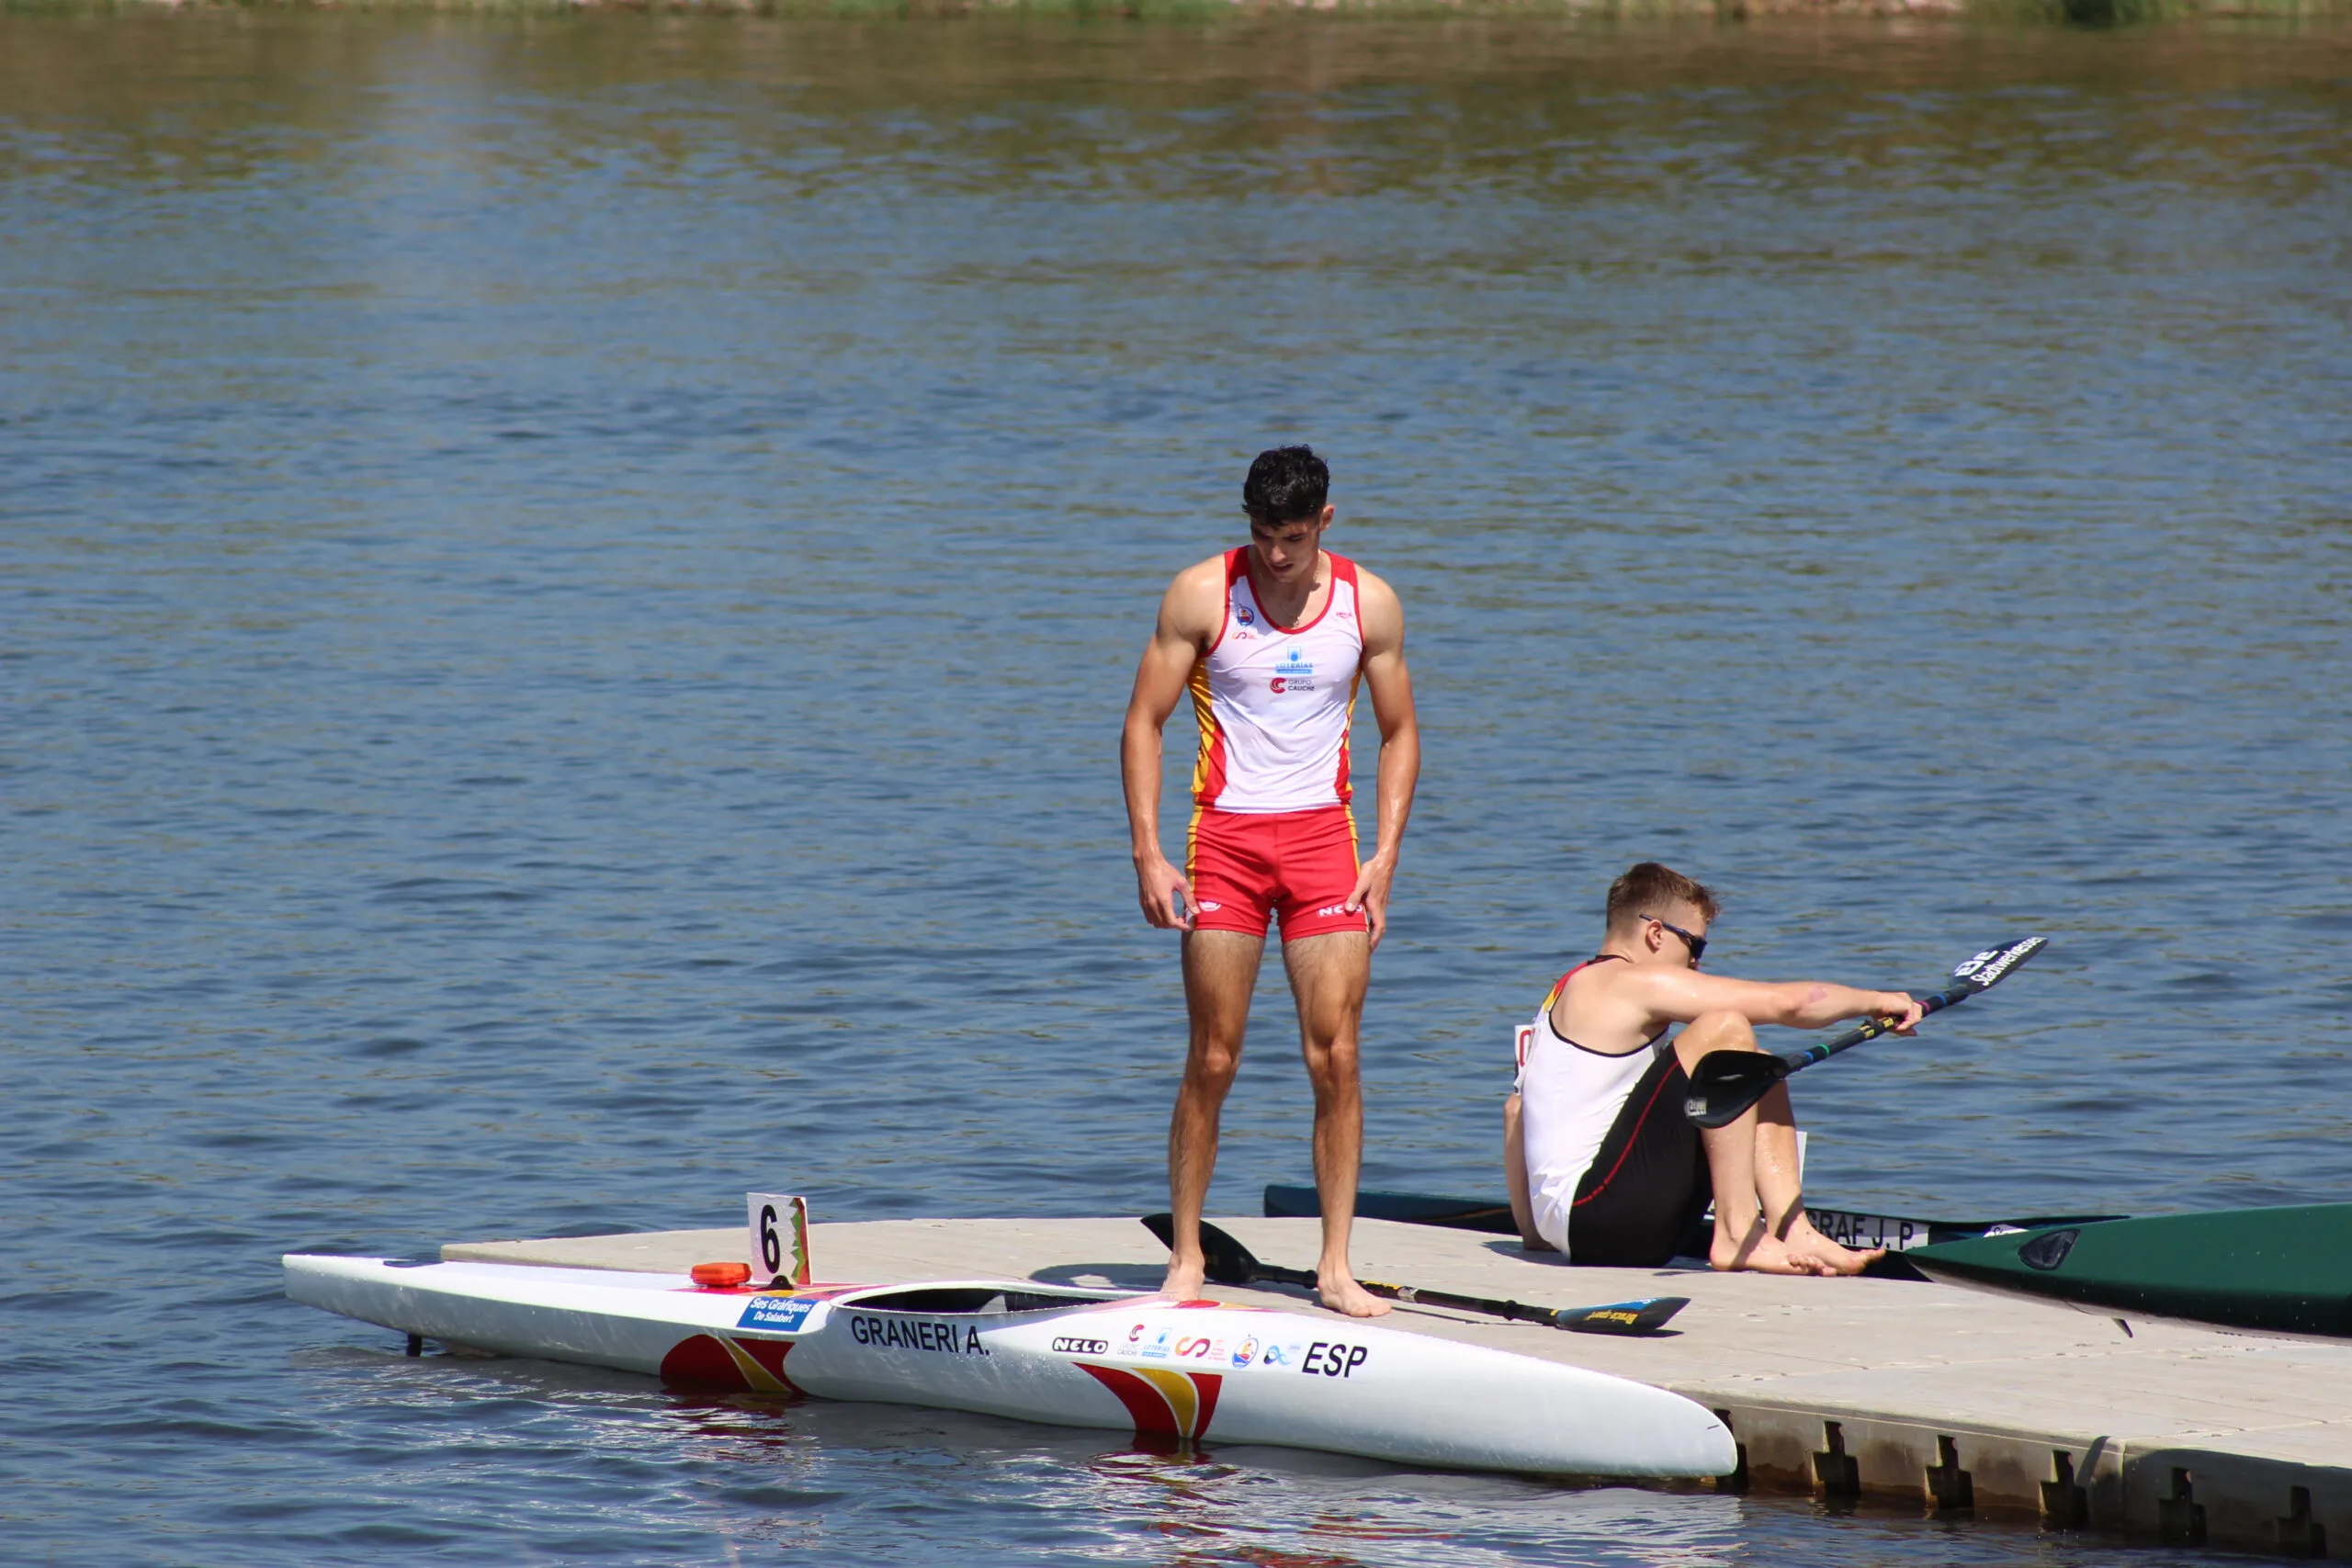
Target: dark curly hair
x=1284 y=485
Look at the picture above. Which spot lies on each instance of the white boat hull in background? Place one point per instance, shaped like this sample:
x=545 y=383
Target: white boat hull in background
x=1169 y=1373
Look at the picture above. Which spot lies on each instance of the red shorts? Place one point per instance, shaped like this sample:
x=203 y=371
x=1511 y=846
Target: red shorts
x=1299 y=864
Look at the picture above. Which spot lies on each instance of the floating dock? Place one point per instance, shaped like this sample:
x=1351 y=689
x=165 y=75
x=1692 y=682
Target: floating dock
x=1911 y=1394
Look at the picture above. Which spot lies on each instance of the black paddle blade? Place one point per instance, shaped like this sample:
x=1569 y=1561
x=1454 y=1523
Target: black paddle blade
x=1229 y=1262
x=1727 y=1083
x=1625 y=1317
x=1985 y=969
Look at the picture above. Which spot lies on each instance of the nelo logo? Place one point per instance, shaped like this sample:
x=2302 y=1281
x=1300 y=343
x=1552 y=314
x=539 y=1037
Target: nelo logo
x=1082 y=1347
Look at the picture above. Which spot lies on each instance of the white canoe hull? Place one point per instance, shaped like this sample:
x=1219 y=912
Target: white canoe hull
x=1168 y=1373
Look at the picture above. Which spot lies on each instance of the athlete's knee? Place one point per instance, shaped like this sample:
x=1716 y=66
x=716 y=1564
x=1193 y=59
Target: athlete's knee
x=1215 y=1058
x=1333 y=1065
x=1714 y=1032
x=1723 y=1031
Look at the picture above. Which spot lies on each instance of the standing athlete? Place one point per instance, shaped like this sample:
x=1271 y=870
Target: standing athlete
x=1271 y=639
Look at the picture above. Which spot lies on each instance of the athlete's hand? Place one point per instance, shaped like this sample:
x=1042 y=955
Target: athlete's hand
x=1166 y=896
x=1898 y=1006
x=1372 y=894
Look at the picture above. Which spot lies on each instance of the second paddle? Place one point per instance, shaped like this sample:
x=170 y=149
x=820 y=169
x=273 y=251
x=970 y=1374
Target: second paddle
x=1230 y=1263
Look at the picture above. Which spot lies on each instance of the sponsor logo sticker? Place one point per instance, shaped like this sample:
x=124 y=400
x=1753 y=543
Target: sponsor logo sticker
x=1083 y=1346
x=1294 y=674
x=785 y=1313
x=1245 y=1352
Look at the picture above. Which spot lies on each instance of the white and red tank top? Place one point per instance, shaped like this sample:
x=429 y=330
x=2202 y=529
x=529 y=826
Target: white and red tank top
x=1273 y=702
x=1570 y=1095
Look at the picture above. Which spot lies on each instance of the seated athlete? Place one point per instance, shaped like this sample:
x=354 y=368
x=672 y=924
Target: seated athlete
x=1602 y=1164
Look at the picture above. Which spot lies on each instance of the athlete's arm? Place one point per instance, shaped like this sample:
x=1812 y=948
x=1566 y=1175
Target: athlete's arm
x=1383 y=623
x=1678 y=995
x=1177 y=641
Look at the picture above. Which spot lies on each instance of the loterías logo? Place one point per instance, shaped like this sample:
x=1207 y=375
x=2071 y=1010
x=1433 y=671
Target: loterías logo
x=1294 y=674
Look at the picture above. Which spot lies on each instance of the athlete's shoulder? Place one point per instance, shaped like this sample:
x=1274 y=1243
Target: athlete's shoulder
x=1214 y=573
x=1193 y=606
x=1366 y=580
x=1378 y=610
x=1597 y=979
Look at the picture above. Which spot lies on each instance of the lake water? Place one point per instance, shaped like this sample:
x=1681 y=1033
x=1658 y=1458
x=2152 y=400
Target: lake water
x=568 y=583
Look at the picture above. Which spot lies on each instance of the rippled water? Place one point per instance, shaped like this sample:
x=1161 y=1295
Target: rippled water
x=567 y=586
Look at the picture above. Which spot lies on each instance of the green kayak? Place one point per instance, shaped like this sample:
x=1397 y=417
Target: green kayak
x=1897 y=1234
x=2276 y=1270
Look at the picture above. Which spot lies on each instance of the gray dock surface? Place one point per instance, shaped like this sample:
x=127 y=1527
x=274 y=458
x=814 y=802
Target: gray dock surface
x=1879 y=1388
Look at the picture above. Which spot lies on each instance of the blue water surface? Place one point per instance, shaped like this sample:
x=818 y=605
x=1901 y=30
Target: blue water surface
x=568 y=583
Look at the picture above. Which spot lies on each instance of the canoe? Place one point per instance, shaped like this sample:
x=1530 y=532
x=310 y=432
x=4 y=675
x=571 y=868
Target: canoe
x=2284 y=1270
x=1847 y=1227
x=1169 y=1372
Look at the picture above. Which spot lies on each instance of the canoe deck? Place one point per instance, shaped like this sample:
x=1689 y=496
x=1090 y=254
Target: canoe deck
x=1919 y=1394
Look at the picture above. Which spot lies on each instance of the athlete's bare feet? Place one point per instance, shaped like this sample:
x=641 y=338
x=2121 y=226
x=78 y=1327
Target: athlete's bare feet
x=1349 y=1297
x=1806 y=1251
x=1185 y=1279
x=1758 y=1254
x=1804 y=1241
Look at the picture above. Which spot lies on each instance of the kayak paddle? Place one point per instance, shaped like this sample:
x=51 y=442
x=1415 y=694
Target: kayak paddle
x=1230 y=1263
x=1728 y=1082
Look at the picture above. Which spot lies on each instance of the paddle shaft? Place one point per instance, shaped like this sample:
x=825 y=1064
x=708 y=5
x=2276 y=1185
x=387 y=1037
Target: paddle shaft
x=1871 y=1028
x=1650 y=1311
x=1726 y=1083
x=1418 y=1297
x=1234 y=1264
x=1276 y=1274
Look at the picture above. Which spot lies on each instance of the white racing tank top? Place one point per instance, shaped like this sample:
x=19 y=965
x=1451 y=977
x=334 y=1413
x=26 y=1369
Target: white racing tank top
x=1273 y=703
x=1569 y=1098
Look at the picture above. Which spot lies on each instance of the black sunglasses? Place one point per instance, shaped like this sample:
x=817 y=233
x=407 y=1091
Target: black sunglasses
x=1698 y=944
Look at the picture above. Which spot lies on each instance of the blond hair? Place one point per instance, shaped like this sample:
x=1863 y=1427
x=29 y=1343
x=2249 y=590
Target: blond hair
x=1647 y=887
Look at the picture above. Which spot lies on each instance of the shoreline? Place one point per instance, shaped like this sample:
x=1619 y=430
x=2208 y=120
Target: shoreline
x=2069 y=15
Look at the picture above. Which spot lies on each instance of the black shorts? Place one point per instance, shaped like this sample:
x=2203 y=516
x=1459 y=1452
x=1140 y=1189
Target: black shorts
x=1640 y=1202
